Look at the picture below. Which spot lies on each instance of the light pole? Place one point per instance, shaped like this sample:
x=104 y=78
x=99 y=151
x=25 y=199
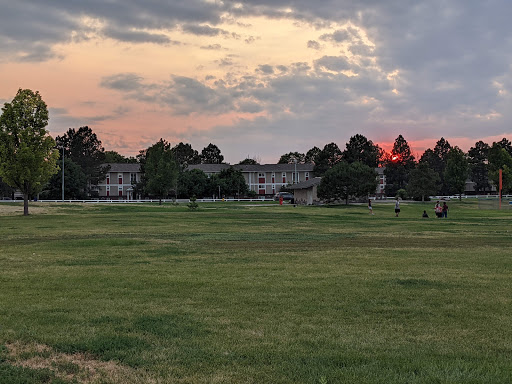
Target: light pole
x=295 y=174
x=62 y=173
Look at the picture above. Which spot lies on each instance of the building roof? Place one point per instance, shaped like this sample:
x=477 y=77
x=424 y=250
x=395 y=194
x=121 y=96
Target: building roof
x=306 y=184
x=123 y=167
x=216 y=168
x=208 y=168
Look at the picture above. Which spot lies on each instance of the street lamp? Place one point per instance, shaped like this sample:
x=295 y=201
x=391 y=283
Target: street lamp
x=295 y=174
x=62 y=173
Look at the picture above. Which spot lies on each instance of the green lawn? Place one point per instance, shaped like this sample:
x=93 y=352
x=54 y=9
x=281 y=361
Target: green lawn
x=234 y=293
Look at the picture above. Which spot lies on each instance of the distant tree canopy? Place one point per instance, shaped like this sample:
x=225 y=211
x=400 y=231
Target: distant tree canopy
x=423 y=182
x=211 y=155
x=478 y=170
x=28 y=157
x=456 y=171
x=327 y=158
x=312 y=155
x=75 y=183
x=160 y=170
x=500 y=158
x=115 y=157
x=345 y=180
x=185 y=155
x=248 y=161
x=292 y=158
x=398 y=165
x=84 y=148
x=359 y=148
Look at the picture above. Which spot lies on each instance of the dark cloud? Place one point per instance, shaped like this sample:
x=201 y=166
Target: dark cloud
x=204 y=30
x=314 y=45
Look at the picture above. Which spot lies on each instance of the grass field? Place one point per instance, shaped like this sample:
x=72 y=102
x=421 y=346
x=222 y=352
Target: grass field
x=255 y=294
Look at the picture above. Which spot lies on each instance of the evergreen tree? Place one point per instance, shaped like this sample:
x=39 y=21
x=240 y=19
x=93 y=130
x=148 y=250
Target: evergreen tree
x=211 y=155
x=423 y=181
x=359 y=148
x=398 y=165
x=456 y=171
x=478 y=169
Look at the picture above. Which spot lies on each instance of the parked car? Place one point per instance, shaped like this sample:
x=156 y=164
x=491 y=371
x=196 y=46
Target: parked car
x=285 y=195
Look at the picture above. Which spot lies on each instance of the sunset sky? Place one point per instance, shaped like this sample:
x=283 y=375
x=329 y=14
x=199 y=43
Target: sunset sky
x=262 y=78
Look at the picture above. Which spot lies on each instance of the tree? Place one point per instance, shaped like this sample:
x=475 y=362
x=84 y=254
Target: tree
x=423 y=181
x=359 y=148
x=85 y=149
x=160 y=170
x=291 y=158
x=346 y=180
x=231 y=182
x=74 y=185
x=28 y=157
x=478 y=170
x=193 y=183
x=311 y=155
x=115 y=157
x=398 y=165
x=456 y=171
x=436 y=159
x=211 y=155
x=249 y=161
x=6 y=190
x=499 y=158
x=327 y=158
x=185 y=155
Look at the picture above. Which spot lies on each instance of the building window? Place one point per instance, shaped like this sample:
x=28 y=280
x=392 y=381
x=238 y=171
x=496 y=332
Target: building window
x=261 y=178
x=120 y=178
x=284 y=177
x=307 y=176
x=108 y=190
x=108 y=179
x=133 y=178
x=273 y=188
x=273 y=177
x=261 y=189
x=120 y=191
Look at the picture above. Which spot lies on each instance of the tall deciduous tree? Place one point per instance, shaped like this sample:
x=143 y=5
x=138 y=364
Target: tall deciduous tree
x=211 y=155
x=249 y=161
x=478 y=170
x=160 y=170
x=456 y=171
x=423 y=181
x=193 y=183
x=28 y=157
x=85 y=149
x=359 y=148
x=346 y=180
x=398 y=165
x=291 y=158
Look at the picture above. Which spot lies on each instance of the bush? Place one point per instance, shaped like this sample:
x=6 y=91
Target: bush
x=192 y=205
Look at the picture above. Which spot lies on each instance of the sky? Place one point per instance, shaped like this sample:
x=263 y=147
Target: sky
x=263 y=78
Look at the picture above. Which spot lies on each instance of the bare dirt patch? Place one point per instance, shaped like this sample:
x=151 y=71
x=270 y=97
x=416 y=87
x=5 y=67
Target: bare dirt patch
x=80 y=367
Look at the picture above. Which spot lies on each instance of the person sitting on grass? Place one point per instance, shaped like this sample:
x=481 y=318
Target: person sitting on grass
x=425 y=215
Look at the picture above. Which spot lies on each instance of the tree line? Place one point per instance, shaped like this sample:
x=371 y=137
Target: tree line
x=30 y=158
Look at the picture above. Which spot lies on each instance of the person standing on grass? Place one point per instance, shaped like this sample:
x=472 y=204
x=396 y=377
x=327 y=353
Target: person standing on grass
x=444 y=212
x=438 y=210
x=397 y=207
x=370 y=206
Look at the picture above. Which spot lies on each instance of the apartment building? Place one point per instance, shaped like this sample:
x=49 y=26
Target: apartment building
x=119 y=181
x=264 y=179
